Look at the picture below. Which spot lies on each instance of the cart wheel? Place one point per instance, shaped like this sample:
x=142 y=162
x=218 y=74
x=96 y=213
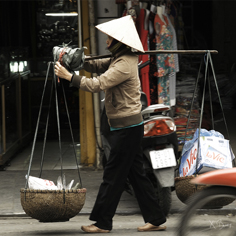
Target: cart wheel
x=195 y=221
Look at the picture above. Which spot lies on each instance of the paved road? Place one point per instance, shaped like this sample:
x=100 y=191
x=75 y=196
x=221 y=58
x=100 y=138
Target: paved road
x=123 y=225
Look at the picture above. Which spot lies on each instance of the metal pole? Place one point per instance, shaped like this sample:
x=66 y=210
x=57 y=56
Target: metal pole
x=79 y=24
x=154 y=52
x=96 y=97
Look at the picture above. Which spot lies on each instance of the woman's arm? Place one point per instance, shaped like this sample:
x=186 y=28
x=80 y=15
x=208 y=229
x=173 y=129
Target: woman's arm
x=93 y=66
x=115 y=75
x=97 y=66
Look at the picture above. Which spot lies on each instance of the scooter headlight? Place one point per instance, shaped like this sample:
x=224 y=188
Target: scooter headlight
x=159 y=127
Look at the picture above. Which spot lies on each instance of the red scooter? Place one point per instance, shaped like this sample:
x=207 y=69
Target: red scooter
x=217 y=192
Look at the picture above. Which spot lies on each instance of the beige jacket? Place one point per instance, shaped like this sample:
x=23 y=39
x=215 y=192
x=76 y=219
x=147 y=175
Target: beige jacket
x=120 y=81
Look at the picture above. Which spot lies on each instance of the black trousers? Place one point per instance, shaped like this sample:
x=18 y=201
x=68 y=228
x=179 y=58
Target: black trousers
x=125 y=161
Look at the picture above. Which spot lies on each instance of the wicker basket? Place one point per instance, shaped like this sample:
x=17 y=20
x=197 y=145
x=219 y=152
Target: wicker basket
x=184 y=189
x=52 y=205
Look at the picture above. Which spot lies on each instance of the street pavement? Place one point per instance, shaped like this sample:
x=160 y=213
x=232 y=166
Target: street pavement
x=14 y=221
x=204 y=225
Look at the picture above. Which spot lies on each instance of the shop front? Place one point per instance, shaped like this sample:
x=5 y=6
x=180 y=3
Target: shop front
x=26 y=49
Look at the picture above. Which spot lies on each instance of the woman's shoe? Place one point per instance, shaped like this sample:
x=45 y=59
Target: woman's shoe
x=93 y=229
x=150 y=227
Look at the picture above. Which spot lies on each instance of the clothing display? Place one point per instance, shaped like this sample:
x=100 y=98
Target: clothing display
x=172 y=76
x=160 y=27
x=165 y=62
x=142 y=28
x=156 y=29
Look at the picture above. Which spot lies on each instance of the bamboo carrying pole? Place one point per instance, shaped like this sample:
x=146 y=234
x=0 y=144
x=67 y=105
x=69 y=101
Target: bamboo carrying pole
x=154 y=52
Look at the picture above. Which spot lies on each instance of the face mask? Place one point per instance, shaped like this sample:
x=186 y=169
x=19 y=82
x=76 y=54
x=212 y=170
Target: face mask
x=115 y=45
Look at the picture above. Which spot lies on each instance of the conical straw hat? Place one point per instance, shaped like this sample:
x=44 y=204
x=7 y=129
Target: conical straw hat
x=123 y=29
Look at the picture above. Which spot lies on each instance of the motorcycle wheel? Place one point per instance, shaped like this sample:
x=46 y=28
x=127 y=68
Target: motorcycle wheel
x=164 y=196
x=164 y=199
x=195 y=220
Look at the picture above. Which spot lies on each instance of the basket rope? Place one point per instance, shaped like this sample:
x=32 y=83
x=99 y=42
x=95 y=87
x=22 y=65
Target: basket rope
x=54 y=85
x=207 y=60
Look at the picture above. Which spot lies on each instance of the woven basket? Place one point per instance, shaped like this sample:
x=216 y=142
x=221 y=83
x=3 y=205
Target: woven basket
x=52 y=205
x=184 y=189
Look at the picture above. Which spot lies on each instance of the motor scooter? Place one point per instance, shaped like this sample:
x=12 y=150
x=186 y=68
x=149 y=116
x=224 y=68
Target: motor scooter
x=160 y=149
x=216 y=189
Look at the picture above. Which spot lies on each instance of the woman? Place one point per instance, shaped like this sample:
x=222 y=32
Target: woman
x=120 y=81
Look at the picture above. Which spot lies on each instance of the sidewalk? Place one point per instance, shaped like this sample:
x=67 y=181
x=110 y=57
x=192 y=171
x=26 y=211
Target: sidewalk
x=14 y=178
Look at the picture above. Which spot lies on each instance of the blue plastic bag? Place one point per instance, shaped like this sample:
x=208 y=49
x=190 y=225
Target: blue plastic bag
x=214 y=151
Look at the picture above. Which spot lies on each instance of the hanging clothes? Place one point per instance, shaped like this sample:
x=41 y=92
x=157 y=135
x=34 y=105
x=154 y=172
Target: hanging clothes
x=153 y=60
x=174 y=44
x=165 y=62
x=142 y=28
x=158 y=80
x=164 y=38
x=133 y=9
x=172 y=76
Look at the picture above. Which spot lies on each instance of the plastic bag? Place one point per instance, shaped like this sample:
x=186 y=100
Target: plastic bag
x=203 y=132
x=72 y=59
x=62 y=184
x=44 y=184
x=214 y=152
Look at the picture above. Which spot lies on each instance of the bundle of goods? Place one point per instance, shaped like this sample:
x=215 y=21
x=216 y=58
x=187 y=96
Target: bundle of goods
x=47 y=202
x=214 y=152
x=210 y=151
x=41 y=199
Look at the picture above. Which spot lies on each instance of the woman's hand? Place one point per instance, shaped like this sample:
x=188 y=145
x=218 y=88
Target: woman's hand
x=62 y=72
